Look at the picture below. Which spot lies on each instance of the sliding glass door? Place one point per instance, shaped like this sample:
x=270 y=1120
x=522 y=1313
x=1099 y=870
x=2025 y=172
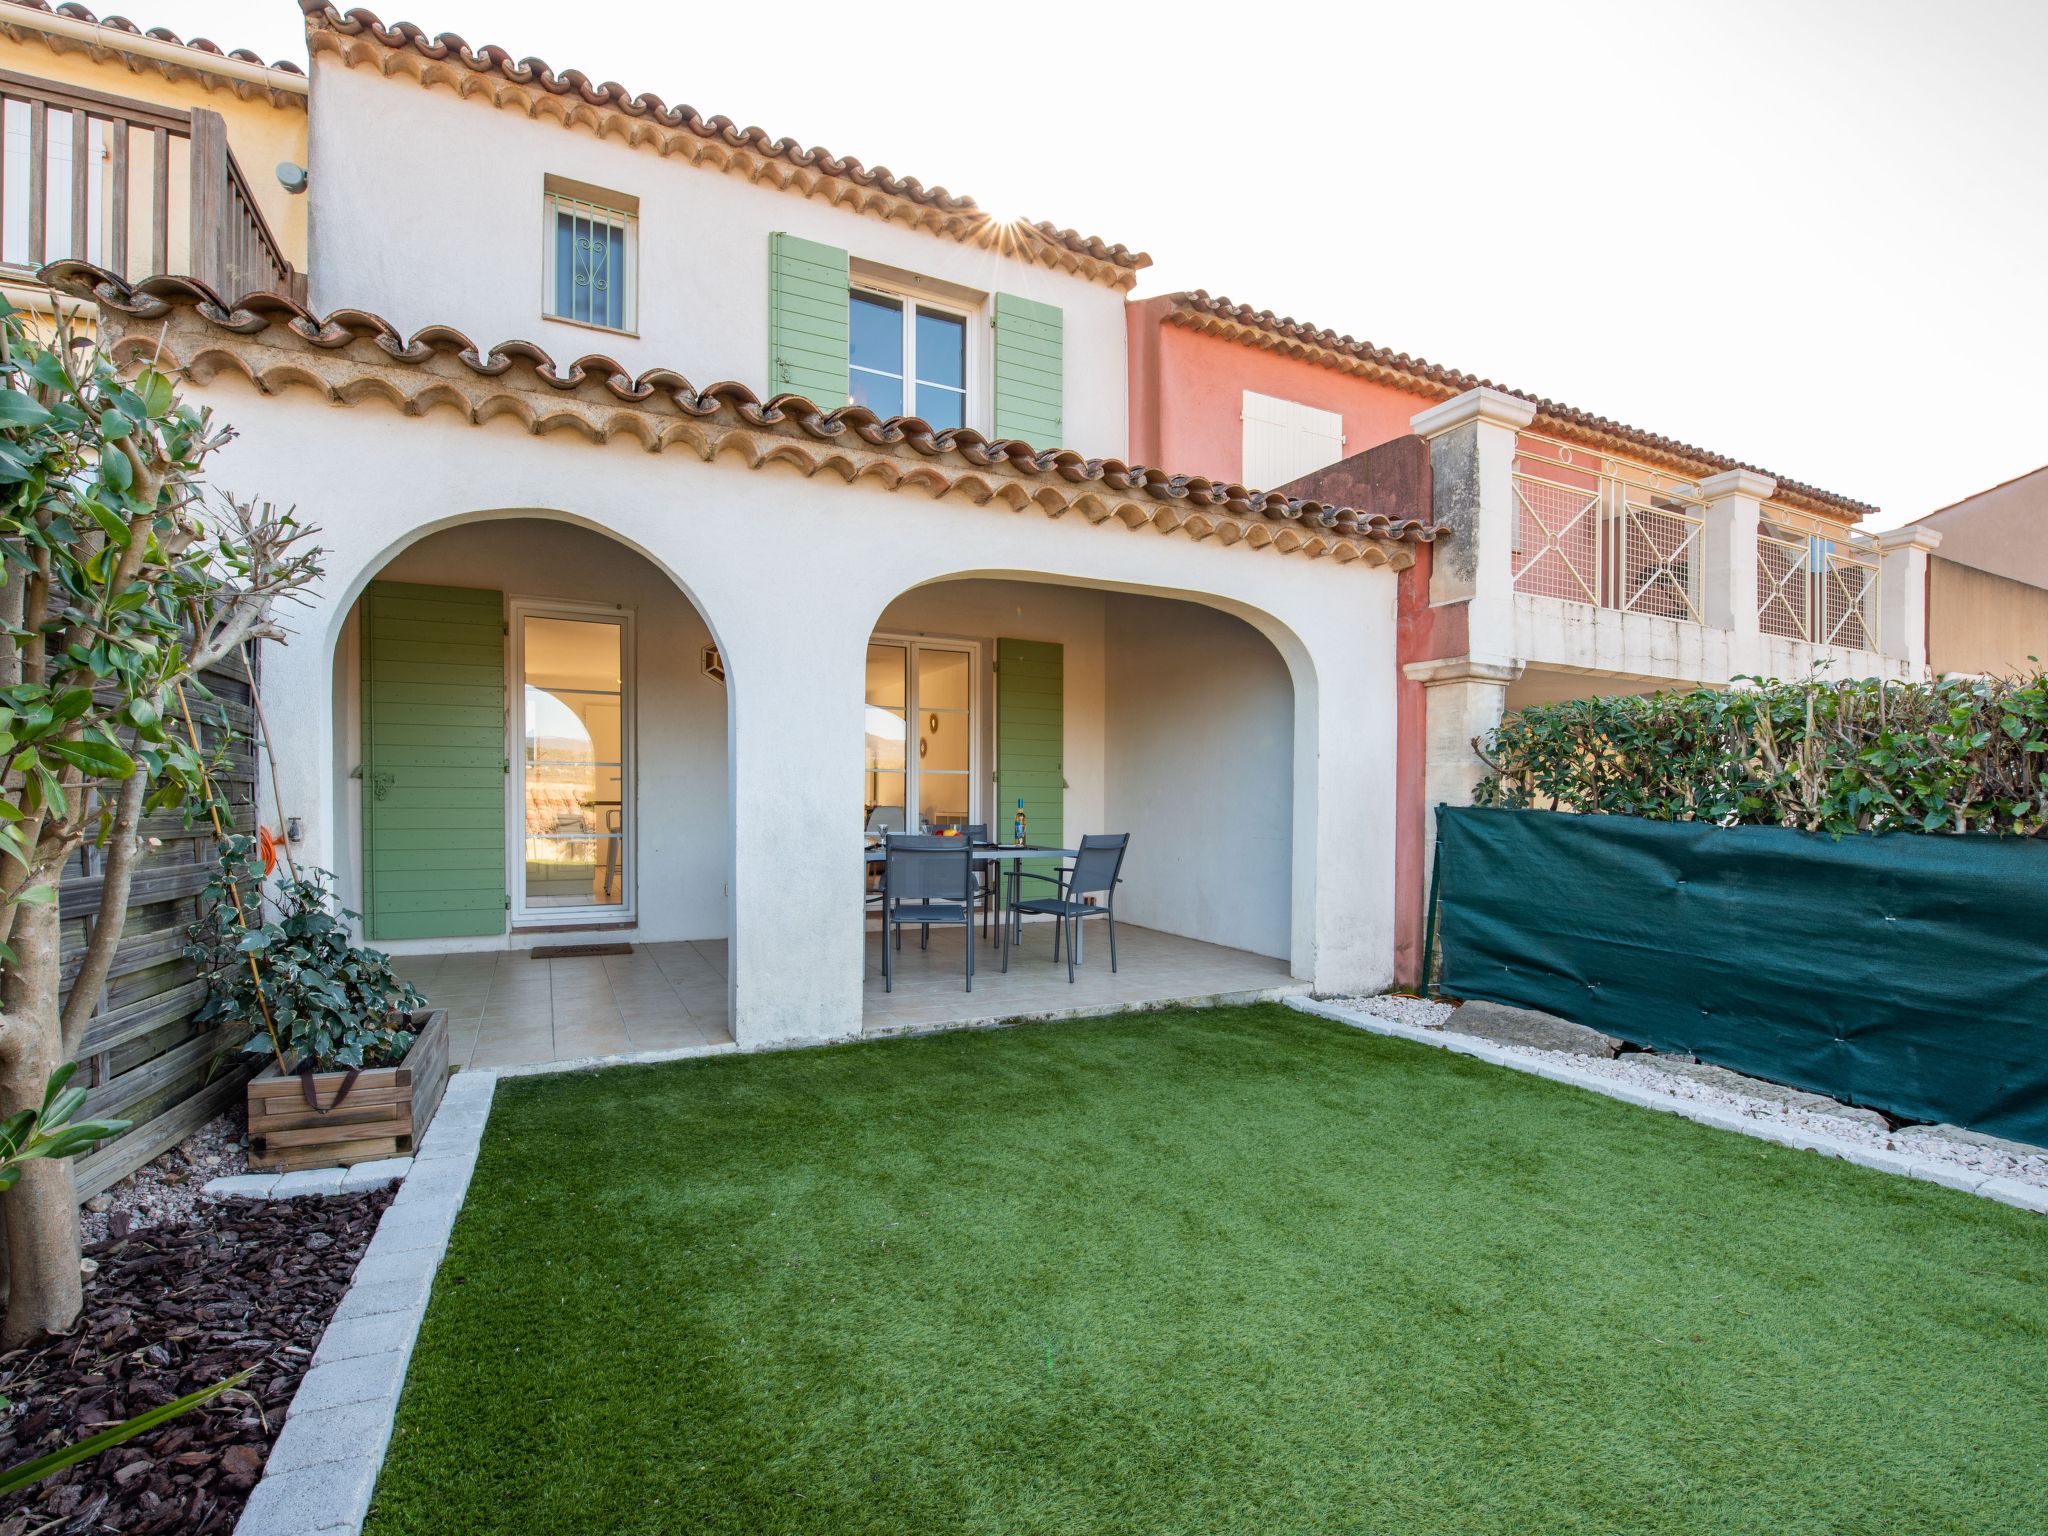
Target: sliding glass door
x=920 y=731
x=573 y=845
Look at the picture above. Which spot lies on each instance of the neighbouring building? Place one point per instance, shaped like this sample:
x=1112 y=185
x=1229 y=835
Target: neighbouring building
x=1987 y=597
x=694 y=502
x=1581 y=556
x=142 y=152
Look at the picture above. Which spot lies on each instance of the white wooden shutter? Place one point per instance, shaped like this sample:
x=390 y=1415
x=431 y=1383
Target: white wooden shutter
x=1284 y=441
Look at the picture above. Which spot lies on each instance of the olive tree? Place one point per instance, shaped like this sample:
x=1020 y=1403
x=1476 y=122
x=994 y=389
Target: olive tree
x=124 y=579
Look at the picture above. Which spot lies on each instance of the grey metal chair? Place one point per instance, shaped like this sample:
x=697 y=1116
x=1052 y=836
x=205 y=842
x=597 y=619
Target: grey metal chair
x=976 y=832
x=883 y=821
x=1097 y=864
x=928 y=881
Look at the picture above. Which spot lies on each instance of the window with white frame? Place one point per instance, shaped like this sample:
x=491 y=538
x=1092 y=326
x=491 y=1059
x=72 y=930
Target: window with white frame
x=591 y=240
x=572 y=830
x=907 y=356
x=922 y=733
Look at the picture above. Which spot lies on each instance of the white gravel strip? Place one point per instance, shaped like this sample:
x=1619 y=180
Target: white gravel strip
x=2002 y=1172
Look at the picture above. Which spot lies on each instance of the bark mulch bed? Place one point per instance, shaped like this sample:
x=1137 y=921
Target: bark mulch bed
x=172 y=1310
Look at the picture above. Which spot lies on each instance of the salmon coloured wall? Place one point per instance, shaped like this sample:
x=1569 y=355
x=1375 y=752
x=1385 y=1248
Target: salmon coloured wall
x=1187 y=396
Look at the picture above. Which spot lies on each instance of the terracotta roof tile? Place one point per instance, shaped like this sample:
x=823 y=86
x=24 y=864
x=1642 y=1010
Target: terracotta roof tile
x=76 y=12
x=328 y=25
x=1168 y=501
x=1261 y=327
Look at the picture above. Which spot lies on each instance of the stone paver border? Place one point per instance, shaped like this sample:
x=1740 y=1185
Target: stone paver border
x=353 y=1180
x=323 y=1468
x=2013 y=1192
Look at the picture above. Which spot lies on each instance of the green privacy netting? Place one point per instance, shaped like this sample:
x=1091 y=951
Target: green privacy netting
x=1908 y=973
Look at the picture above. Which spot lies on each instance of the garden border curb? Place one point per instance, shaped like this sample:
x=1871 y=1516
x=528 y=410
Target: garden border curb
x=323 y=1469
x=2012 y=1192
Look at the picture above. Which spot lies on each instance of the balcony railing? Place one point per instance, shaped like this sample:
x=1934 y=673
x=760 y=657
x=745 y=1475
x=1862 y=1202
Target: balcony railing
x=1604 y=531
x=131 y=186
x=1814 y=585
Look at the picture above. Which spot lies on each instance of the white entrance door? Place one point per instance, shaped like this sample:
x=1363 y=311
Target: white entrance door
x=572 y=832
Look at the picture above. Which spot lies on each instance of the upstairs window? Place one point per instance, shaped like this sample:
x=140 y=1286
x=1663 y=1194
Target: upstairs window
x=907 y=357
x=592 y=256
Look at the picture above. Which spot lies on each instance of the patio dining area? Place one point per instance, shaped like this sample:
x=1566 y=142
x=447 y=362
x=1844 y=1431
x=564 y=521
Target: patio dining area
x=1153 y=970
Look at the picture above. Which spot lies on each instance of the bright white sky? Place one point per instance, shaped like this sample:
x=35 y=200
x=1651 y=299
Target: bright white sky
x=1811 y=234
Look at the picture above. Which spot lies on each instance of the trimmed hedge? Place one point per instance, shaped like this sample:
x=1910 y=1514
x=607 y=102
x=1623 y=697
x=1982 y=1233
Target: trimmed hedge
x=1960 y=755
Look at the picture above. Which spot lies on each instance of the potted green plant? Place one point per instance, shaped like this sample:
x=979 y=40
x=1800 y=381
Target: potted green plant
x=356 y=1059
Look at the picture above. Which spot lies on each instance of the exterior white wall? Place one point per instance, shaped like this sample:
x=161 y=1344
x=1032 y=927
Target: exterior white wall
x=1200 y=769
x=682 y=828
x=401 y=172
x=791 y=576
x=1577 y=637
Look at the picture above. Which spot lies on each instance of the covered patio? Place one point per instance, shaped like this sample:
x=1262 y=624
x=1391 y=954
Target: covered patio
x=1153 y=970
x=511 y=1009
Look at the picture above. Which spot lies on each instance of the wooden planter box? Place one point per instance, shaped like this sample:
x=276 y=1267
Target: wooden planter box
x=385 y=1114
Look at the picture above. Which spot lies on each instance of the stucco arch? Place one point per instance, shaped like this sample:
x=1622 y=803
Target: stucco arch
x=340 y=600
x=687 y=890
x=1270 y=773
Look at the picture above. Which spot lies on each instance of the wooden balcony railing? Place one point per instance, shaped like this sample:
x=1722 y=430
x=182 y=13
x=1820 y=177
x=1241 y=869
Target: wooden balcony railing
x=130 y=186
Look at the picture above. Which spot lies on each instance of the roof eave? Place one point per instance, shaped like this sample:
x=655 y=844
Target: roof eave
x=1432 y=381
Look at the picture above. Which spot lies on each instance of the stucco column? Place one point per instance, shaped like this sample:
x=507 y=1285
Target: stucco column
x=794 y=726
x=1728 y=557
x=1902 y=595
x=1472 y=495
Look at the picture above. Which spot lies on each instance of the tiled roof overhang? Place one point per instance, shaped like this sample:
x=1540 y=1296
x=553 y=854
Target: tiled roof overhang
x=1262 y=328
x=59 y=28
x=351 y=356
x=357 y=37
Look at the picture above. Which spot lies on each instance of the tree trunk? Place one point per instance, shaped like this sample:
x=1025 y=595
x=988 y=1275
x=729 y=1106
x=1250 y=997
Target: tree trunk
x=44 y=1289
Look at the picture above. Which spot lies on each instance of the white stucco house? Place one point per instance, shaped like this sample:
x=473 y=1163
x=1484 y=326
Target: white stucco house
x=694 y=502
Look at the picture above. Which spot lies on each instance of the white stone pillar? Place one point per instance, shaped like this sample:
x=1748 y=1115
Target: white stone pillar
x=1472 y=467
x=1902 y=596
x=1466 y=699
x=1728 y=557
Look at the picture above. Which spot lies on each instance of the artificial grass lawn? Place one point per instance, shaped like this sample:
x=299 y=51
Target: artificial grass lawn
x=1201 y=1272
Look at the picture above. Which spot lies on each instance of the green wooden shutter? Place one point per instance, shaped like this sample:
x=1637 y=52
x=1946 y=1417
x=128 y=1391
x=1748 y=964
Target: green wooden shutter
x=1030 y=744
x=807 y=320
x=1030 y=371
x=433 y=761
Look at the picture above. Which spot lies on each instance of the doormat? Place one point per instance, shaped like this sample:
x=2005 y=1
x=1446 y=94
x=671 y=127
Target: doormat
x=578 y=951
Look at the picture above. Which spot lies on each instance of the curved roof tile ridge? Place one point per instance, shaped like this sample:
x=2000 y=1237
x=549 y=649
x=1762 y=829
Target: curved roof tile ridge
x=72 y=11
x=1455 y=382
x=151 y=298
x=539 y=74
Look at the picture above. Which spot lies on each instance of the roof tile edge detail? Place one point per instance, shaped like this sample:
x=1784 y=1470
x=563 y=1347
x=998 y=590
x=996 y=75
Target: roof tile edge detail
x=347 y=33
x=1196 y=310
x=1057 y=479
x=111 y=26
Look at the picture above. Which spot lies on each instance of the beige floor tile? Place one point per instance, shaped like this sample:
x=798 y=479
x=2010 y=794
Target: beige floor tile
x=507 y=1009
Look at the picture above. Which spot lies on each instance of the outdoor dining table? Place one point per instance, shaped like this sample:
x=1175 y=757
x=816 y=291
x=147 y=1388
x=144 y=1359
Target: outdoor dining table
x=1014 y=854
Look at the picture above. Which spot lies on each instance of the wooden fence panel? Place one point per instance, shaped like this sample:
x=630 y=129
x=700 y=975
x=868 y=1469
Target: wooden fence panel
x=145 y=1059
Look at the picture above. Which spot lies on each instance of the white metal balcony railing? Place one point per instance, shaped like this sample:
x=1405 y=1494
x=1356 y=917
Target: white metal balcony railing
x=1812 y=587
x=131 y=186
x=1604 y=531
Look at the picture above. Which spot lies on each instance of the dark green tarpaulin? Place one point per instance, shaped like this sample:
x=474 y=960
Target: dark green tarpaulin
x=1908 y=973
